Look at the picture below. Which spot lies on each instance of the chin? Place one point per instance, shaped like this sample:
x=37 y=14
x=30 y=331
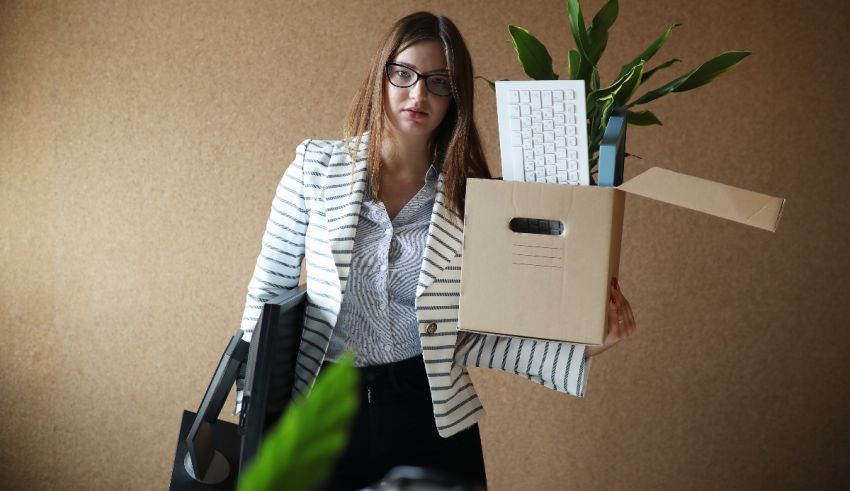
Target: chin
x=413 y=129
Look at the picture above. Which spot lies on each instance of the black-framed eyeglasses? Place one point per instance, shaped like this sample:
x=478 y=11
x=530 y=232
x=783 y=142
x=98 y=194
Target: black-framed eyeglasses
x=403 y=76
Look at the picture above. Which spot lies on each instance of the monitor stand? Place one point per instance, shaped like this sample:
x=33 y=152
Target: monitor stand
x=227 y=442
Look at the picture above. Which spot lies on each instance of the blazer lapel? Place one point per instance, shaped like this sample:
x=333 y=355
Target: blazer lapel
x=444 y=241
x=343 y=212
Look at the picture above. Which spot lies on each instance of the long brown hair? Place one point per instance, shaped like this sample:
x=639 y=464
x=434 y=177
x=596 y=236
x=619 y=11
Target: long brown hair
x=455 y=142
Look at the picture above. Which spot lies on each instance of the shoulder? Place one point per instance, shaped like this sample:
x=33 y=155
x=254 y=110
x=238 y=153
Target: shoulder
x=318 y=155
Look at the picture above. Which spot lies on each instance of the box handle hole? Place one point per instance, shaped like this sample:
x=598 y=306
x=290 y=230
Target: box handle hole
x=537 y=226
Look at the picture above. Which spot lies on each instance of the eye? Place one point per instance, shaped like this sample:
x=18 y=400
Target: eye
x=402 y=73
x=441 y=80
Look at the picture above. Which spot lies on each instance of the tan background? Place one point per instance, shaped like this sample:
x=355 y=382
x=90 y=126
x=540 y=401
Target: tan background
x=140 y=145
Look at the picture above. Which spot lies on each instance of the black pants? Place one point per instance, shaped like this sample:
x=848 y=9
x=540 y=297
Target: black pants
x=395 y=426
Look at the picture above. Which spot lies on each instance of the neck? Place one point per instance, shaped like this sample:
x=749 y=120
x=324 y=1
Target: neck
x=406 y=154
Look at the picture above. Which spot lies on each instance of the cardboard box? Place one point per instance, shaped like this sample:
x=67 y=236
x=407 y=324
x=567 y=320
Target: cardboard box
x=555 y=287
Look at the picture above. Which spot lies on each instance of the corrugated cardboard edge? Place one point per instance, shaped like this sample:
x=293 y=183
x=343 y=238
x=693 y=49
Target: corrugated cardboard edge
x=713 y=198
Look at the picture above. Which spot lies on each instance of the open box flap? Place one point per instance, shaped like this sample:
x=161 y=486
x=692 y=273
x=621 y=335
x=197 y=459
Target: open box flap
x=721 y=200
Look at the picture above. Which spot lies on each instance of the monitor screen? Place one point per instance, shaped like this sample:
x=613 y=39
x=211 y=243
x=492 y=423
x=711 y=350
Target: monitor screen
x=270 y=370
x=203 y=462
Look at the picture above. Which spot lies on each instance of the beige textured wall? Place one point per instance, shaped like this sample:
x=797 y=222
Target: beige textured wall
x=140 y=144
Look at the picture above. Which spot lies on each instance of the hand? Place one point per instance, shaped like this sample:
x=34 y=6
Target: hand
x=621 y=320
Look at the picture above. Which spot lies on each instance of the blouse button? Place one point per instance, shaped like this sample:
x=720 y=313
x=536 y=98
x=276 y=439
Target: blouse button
x=432 y=328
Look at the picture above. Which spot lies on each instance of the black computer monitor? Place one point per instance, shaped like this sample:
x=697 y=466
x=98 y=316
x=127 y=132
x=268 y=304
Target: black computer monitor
x=203 y=462
x=270 y=369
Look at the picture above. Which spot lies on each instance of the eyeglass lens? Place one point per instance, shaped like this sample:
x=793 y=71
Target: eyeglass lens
x=402 y=76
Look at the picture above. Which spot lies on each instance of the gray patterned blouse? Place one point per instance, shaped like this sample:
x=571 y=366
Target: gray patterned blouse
x=377 y=319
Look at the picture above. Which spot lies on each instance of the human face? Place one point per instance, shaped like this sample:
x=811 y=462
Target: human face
x=415 y=111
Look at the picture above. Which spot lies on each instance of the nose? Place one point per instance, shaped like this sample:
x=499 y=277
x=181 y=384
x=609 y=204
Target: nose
x=419 y=91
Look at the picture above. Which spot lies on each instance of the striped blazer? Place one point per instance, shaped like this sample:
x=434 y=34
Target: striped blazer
x=314 y=217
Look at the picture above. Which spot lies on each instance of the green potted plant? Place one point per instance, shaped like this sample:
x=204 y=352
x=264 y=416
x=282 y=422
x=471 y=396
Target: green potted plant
x=603 y=100
x=303 y=446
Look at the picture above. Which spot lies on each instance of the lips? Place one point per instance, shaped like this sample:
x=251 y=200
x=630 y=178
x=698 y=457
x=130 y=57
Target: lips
x=416 y=111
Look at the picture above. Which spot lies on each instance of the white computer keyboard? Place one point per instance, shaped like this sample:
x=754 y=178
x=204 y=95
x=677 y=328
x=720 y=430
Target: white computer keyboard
x=543 y=131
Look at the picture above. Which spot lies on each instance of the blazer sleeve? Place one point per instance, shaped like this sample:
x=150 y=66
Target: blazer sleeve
x=278 y=266
x=558 y=366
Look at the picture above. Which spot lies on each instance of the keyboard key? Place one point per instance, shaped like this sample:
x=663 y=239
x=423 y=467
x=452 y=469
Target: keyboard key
x=538 y=150
x=571 y=130
x=562 y=177
x=527 y=145
x=572 y=141
x=526 y=134
x=561 y=165
x=572 y=155
x=561 y=141
x=551 y=179
x=569 y=95
x=536 y=116
x=515 y=125
x=547 y=113
x=525 y=110
x=573 y=176
x=569 y=108
x=548 y=136
x=514 y=97
x=560 y=119
x=550 y=168
x=529 y=165
x=558 y=107
x=514 y=111
x=572 y=165
x=571 y=120
x=557 y=95
x=539 y=161
x=535 y=99
x=561 y=153
x=549 y=148
x=524 y=98
x=559 y=131
x=526 y=121
x=528 y=155
x=541 y=178
x=548 y=125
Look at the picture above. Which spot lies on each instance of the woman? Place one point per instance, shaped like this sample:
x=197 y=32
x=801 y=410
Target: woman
x=378 y=218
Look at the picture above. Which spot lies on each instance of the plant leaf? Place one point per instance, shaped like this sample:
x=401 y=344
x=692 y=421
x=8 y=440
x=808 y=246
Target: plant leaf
x=697 y=77
x=578 y=29
x=712 y=69
x=303 y=446
x=532 y=54
x=642 y=118
x=594 y=79
x=628 y=86
x=649 y=73
x=629 y=80
x=649 y=52
x=574 y=61
x=597 y=33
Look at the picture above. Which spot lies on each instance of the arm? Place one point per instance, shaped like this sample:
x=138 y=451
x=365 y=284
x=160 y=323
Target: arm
x=558 y=366
x=278 y=266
